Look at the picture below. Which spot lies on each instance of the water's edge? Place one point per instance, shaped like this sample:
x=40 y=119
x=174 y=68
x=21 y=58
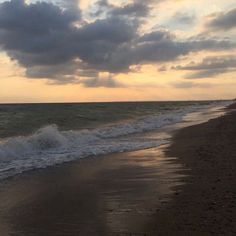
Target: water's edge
x=49 y=146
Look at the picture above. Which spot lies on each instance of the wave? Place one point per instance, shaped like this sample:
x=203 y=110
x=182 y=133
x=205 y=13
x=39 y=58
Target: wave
x=49 y=146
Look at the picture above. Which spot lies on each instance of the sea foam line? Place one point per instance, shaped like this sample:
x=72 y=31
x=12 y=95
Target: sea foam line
x=49 y=146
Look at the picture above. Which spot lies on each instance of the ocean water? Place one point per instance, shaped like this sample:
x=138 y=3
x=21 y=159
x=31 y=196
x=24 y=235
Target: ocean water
x=40 y=135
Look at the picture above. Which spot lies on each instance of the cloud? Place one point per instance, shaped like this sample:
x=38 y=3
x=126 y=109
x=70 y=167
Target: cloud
x=49 y=38
x=64 y=71
x=210 y=66
x=156 y=36
x=33 y=33
x=206 y=74
x=38 y=18
x=105 y=80
x=55 y=43
x=101 y=82
x=161 y=46
x=223 y=20
x=184 y=18
x=137 y=8
x=70 y=4
x=212 y=62
x=189 y=84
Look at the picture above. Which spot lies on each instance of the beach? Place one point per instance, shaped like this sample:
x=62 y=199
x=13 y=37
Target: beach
x=117 y=118
x=207 y=203
x=185 y=188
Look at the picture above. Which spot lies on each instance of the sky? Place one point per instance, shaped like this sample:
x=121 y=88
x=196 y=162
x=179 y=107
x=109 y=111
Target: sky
x=103 y=50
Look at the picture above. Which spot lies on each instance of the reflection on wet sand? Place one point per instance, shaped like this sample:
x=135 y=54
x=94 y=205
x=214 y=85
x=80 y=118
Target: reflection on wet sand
x=114 y=194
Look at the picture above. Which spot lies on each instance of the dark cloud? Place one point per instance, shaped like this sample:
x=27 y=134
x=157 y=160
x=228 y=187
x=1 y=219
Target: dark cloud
x=38 y=18
x=161 y=35
x=51 y=42
x=56 y=72
x=206 y=74
x=36 y=34
x=210 y=67
x=162 y=46
x=213 y=62
x=138 y=9
x=112 y=29
x=200 y=42
x=223 y=20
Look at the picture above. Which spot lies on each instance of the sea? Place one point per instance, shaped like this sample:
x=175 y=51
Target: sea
x=34 y=136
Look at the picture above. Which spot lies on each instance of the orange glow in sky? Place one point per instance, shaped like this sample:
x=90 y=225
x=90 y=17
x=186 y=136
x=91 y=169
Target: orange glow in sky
x=207 y=72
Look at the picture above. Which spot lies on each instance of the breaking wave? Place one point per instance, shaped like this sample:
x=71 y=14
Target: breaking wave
x=49 y=146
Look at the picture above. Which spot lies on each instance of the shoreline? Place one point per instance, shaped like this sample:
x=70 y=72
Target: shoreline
x=206 y=204
x=121 y=194
x=31 y=152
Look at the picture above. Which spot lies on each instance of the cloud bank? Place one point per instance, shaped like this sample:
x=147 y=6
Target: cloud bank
x=210 y=66
x=56 y=43
x=223 y=20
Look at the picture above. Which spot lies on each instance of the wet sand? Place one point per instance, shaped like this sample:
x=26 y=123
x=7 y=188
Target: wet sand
x=116 y=194
x=183 y=189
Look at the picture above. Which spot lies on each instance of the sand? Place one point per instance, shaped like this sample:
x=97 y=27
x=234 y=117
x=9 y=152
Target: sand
x=115 y=194
x=187 y=188
x=206 y=205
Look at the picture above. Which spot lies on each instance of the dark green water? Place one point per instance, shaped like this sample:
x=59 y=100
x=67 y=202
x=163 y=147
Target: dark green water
x=23 y=119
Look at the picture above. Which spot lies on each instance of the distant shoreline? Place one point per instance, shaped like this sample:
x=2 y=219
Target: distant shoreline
x=139 y=101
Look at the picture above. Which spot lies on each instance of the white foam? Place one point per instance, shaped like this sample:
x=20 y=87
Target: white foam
x=49 y=146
